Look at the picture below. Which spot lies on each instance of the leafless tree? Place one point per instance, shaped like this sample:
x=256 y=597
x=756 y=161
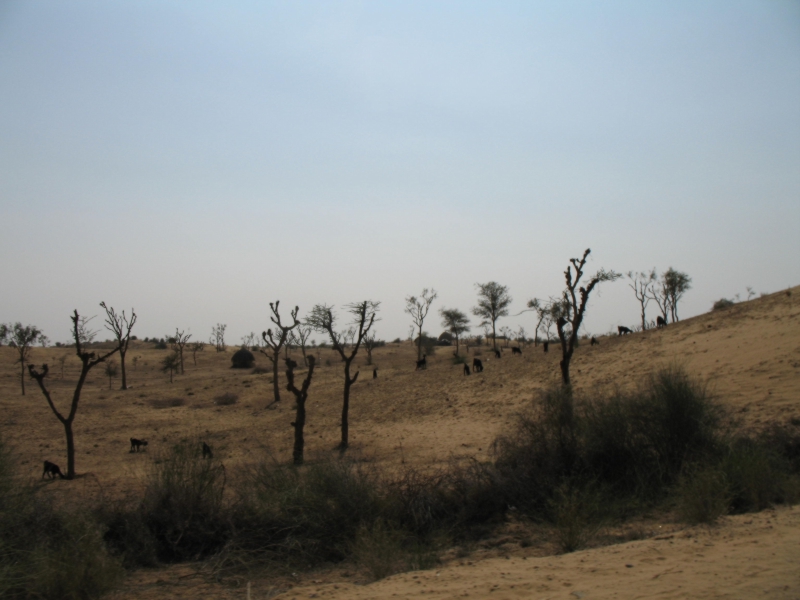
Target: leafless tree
x=196 y=347
x=82 y=335
x=418 y=308
x=642 y=284
x=520 y=336
x=62 y=359
x=250 y=340
x=456 y=322
x=299 y=337
x=506 y=333
x=273 y=342
x=120 y=326
x=218 y=337
x=370 y=341
x=22 y=338
x=493 y=302
x=301 y=395
x=181 y=339
x=323 y=320
x=575 y=299
x=111 y=371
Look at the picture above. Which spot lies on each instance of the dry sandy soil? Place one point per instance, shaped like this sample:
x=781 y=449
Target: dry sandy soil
x=749 y=354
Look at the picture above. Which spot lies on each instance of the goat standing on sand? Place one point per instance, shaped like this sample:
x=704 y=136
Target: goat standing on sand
x=516 y=350
x=660 y=322
x=477 y=365
x=623 y=330
x=207 y=453
x=51 y=470
x=594 y=341
x=466 y=369
x=422 y=363
x=137 y=444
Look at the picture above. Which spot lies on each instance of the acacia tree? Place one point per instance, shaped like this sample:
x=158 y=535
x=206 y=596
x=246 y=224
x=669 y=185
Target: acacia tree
x=642 y=284
x=493 y=302
x=300 y=395
x=171 y=363
x=22 y=339
x=274 y=342
x=675 y=285
x=323 y=320
x=455 y=322
x=179 y=343
x=574 y=300
x=82 y=336
x=120 y=326
x=418 y=308
x=506 y=333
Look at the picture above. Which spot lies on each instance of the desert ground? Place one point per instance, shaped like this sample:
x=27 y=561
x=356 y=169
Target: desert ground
x=749 y=354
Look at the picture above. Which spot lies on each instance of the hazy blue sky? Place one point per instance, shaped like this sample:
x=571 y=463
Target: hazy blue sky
x=197 y=160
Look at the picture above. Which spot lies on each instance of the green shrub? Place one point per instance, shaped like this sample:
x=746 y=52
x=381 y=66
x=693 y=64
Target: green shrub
x=722 y=304
x=45 y=552
x=703 y=495
x=754 y=475
x=578 y=514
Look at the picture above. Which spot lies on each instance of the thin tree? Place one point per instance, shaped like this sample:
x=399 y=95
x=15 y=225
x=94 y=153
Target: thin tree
x=493 y=302
x=370 y=342
x=120 y=326
x=574 y=298
x=3 y=333
x=171 y=363
x=418 y=308
x=506 y=332
x=111 y=371
x=62 y=359
x=218 y=337
x=299 y=337
x=82 y=336
x=44 y=341
x=323 y=320
x=300 y=395
x=675 y=285
x=196 y=347
x=273 y=342
x=179 y=343
x=22 y=339
x=642 y=284
x=455 y=322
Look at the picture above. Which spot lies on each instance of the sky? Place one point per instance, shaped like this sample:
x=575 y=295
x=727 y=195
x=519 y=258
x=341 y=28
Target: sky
x=198 y=160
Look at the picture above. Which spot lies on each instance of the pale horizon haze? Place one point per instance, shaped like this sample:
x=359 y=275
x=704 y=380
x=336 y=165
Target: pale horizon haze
x=198 y=160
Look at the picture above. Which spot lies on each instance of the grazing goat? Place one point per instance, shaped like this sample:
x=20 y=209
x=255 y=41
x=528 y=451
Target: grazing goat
x=477 y=365
x=516 y=350
x=660 y=322
x=51 y=470
x=422 y=363
x=207 y=453
x=466 y=369
x=375 y=373
x=137 y=444
x=594 y=341
x=623 y=330
x=497 y=354
x=546 y=345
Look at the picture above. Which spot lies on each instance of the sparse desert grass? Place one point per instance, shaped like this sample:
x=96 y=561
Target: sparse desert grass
x=226 y=399
x=160 y=403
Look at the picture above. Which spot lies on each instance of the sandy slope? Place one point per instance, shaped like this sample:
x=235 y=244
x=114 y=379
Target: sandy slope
x=750 y=354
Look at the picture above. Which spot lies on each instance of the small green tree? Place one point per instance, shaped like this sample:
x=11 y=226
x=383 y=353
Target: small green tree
x=455 y=322
x=218 y=337
x=493 y=302
x=82 y=335
x=675 y=284
x=418 y=308
x=171 y=363
x=22 y=339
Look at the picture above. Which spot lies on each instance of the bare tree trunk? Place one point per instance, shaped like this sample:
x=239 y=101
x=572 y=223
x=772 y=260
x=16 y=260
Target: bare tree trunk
x=70 y=449
x=22 y=375
x=301 y=396
x=122 y=364
x=275 y=386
